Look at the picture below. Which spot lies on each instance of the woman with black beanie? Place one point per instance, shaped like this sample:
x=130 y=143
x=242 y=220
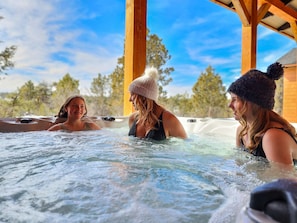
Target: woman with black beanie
x=262 y=131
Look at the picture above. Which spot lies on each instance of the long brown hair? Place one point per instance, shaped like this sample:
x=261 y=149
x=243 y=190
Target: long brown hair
x=261 y=124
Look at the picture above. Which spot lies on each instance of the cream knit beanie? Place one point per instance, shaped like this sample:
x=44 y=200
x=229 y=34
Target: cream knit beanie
x=147 y=84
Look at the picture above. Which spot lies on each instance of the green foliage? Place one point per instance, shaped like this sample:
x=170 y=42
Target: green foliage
x=117 y=88
x=27 y=91
x=99 y=101
x=208 y=99
x=180 y=104
x=209 y=95
x=5 y=57
x=29 y=99
x=157 y=55
x=65 y=88
x=10 y=105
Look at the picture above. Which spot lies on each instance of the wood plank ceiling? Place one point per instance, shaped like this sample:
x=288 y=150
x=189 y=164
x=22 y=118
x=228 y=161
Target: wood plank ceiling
x=278 y=15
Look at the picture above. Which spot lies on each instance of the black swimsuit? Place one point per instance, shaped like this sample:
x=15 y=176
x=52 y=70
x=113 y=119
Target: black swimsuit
x=259 y=150
x=157 y=133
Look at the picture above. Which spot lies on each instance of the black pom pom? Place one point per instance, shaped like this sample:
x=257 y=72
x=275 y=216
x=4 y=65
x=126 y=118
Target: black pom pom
x=275 y=71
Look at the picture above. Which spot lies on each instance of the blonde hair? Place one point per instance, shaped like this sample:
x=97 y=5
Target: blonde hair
x=146 y=108
x=261 y=124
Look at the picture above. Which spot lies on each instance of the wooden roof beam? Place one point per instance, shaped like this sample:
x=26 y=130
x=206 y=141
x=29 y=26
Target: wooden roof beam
x=135 y=46
x=281 y=10
x=249 y=38
x=223 y=5
x=288 y=14
x=242 y=12
x=262 y=11
x=294 y=29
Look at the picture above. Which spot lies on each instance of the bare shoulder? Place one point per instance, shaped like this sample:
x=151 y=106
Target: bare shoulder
x=90 y=123
x=56 y=127
x=238 y=130
x=173 y=126
x=274 y=137
x=94 y=126
x=167 y=115
x=275 y=132
x=277 y=145
x=237 y=137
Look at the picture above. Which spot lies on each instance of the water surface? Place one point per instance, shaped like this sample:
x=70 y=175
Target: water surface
x=106 y=176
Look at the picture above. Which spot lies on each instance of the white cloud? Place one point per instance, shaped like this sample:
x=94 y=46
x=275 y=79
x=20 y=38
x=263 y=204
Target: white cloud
x=10 y=83
x=178 y=89
x=49 y=44
x=55 y=37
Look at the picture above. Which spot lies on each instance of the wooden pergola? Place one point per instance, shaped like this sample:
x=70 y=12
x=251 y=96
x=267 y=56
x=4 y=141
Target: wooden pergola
x=278 y=15
x=135 y=46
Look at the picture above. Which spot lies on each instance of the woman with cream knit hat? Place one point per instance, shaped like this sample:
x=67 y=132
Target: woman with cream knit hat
x=262 y=131
x=150 y=119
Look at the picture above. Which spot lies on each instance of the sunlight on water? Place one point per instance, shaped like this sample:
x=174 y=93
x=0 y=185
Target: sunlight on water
x=106 y=176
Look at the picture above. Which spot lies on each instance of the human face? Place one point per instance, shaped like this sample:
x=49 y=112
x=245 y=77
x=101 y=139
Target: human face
x=236 y=104
x=132 y=99
x=76 y=108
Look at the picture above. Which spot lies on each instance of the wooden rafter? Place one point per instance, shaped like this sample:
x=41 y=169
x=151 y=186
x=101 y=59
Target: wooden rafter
x=262 y=11
x=288 y=14
x=242 y=12
x=277 y=8
x=294 y=29
x=281 y=10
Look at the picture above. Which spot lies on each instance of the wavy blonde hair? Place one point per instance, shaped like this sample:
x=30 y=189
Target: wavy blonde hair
x=261 y=124
x=146 y=111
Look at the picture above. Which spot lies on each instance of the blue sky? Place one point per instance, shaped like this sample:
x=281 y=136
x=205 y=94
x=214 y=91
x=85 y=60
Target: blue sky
x=85 y=37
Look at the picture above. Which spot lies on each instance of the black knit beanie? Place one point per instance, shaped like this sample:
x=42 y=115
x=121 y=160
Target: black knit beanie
x=258 y=87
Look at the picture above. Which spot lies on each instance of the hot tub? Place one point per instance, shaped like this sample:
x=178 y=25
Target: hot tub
x=107 y=176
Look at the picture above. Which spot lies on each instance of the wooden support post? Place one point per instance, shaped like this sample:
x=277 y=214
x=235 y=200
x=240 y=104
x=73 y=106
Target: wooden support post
x=135 y=46
x=249 y=38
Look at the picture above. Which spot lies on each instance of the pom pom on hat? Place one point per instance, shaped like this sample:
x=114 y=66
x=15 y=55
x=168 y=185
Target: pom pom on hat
x=258 y=87
x=275 y=71
x=146 y=85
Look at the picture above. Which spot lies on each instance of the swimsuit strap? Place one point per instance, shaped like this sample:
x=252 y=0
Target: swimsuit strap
x=158 y=133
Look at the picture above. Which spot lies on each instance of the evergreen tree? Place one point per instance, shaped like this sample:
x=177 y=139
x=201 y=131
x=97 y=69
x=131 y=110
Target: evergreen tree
x=65 y=88
x=156 y=55
x=100 y=89
x=209 y=96
x=6 y=56
x=180 y=104
x=10 y=105
x=117 y=89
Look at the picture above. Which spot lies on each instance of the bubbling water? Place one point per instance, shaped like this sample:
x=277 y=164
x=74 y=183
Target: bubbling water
x=106 y=176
